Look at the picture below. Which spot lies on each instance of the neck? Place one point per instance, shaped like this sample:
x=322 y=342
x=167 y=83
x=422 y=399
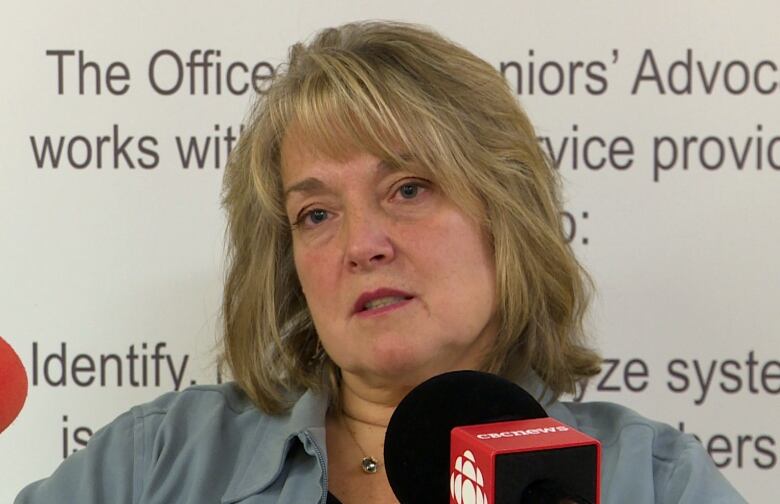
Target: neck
x=365 y=404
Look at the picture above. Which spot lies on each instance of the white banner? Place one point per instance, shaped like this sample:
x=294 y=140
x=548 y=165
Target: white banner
x=662 y=116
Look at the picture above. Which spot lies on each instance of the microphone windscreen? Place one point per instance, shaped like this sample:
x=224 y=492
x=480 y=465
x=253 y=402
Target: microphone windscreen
x=13 y=385
x=417 y=442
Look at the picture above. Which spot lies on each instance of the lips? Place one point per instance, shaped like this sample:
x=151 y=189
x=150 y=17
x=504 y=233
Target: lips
x=380 y=298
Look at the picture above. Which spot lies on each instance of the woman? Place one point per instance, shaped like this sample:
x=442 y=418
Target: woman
x=391 y=217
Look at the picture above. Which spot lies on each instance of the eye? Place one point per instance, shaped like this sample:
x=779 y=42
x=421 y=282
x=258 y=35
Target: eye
x=311 y=217
x=411 y=189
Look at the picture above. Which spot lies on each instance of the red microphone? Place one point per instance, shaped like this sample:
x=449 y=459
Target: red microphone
x=13 y=385
x=537 y=460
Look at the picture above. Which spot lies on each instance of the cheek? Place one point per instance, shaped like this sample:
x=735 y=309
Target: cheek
x=460 y=269
x=317 y=275
x=311 y=267
x=460 y=249
x=307 y=277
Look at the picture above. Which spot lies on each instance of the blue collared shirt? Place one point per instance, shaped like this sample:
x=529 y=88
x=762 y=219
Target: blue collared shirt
x=209 y=444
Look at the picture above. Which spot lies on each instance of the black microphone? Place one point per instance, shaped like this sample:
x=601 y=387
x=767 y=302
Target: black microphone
x=468 y=437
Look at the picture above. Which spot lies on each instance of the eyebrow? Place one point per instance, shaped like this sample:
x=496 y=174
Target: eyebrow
x=312 y=184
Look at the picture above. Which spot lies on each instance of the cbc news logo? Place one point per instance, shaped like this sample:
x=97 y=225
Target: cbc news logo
x=466 y=482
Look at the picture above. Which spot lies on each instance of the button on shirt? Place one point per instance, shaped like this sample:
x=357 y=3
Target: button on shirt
x=209 y=444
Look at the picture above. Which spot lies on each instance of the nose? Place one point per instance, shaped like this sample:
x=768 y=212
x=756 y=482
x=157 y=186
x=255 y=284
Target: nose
x=367 y=242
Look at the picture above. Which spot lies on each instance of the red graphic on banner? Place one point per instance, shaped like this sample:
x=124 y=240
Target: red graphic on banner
x=13 y=385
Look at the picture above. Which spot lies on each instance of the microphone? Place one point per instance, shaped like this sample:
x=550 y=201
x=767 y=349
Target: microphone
x=13 y=385
x=468 y=437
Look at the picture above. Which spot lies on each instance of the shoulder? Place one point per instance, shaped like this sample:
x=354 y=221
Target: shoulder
x=179 y=440
x=612 y=424
x=203 y=421
x=623 y=431
x=198 y=403
x=174 y=419
x=647 y=459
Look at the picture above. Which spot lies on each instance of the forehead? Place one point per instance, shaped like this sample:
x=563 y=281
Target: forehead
x=300 y=158
x=307 y=137
x=307 y=171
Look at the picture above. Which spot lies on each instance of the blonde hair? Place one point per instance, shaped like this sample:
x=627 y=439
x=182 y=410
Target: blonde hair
x=405 y=95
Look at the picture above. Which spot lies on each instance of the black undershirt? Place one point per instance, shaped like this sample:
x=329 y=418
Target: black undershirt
x=332 y=499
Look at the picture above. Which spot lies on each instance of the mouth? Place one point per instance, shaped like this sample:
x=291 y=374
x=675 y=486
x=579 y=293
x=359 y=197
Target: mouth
x=380 y=301
x=383 y=305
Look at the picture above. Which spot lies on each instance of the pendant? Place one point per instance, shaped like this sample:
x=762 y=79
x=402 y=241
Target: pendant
x=369 y=465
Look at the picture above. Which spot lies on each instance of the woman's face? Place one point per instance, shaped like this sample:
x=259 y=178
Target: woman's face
x=399 y=281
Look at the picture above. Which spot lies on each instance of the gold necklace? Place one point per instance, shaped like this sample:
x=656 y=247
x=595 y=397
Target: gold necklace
x=368 y=464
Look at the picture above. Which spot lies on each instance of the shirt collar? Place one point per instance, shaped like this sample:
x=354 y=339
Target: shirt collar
x=263 y=454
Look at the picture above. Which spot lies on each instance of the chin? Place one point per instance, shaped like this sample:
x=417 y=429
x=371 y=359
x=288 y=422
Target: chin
x=410 y=371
